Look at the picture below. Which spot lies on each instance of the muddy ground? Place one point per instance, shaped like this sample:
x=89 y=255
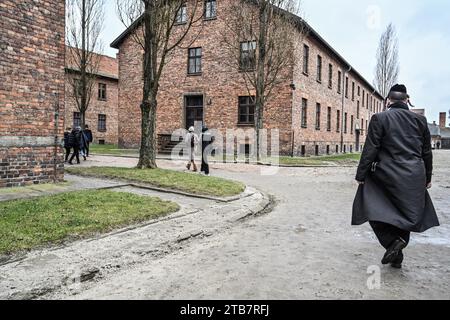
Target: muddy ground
x=304 y=249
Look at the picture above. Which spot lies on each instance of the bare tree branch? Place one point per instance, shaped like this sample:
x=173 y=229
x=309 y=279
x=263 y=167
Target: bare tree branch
x=387 y=69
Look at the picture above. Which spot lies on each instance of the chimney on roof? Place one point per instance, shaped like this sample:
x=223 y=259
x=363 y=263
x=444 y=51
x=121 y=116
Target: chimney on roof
x=442 y=119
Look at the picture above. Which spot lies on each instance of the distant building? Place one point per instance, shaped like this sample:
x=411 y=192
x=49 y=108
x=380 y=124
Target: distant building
x=435 y=132
x=32 y=37
x=419 y=111
x=444 y=130
x=102 y=114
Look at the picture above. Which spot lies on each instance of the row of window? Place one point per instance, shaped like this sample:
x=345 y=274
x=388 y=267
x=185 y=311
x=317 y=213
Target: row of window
x=328 y=149
x=368 y=101
x=101 y=93
x=101 y=125
x=304 y=118
x=209 y=11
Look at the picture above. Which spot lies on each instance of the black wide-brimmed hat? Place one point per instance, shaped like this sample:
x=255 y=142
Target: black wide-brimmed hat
x=398 y=92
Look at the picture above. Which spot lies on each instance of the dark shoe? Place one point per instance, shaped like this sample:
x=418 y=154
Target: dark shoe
x=397 y=263
x=393 y=251
x=71 y=163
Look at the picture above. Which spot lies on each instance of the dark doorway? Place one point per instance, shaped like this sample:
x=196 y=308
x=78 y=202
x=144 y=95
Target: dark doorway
x=358 y=134
x=194 y=111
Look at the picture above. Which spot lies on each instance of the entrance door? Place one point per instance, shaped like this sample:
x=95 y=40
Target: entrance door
x=194 y=111
x=358 y=134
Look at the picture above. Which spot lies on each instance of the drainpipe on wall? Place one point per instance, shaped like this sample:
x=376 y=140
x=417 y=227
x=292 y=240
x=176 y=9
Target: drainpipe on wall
x=343 y=105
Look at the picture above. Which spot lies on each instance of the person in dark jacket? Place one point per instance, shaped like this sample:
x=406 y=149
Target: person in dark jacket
x=75 y=142
x=207 y=140
x=83 y=144
x=67 y=146
x=394 y=174
x=89 y=138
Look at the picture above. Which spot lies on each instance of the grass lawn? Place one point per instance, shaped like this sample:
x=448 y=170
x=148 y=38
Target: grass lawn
x=27 y=224
x=181 y=181
x=343 y=159
x=111 y=149
x=37 y=187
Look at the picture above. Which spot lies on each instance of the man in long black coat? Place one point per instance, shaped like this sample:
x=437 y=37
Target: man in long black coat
x=394 y=174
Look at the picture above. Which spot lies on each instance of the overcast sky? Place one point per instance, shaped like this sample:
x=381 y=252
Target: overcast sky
x=353 y=28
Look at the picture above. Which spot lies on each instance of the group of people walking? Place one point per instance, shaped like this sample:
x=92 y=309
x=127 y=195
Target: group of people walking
x=192 y=141
x=76 y=143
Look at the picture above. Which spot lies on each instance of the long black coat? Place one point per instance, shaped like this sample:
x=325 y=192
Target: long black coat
x=396 y=166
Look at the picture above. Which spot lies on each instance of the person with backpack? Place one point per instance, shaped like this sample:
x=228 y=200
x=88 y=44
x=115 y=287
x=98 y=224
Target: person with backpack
x=74 y=142
x=191 y=140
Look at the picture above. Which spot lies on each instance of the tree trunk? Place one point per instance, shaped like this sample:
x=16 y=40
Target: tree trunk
x=147 y=157
x=260 y=77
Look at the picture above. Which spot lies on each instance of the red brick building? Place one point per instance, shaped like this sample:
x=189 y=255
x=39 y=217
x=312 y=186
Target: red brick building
x=31 y=91
x=322 y=104
x=102 y=114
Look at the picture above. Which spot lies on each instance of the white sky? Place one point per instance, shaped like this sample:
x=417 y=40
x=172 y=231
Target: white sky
x=353 y=29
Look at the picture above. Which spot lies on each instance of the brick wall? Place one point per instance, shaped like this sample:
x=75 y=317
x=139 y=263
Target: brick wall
x=31 y=73
x=221 y=85
x=96 y=107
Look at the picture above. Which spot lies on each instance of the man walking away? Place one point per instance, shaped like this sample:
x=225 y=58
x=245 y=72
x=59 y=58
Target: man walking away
x=74 y=143
x=191 y=140
x=394 y=174
x=66 y=143
x=207 y=141
x=83 y=144
x=89 y=138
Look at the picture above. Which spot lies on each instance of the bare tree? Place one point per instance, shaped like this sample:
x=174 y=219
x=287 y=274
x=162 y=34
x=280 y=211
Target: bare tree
x=160 y=27
x=262 y=36
x=387 y=68
x=84 y=26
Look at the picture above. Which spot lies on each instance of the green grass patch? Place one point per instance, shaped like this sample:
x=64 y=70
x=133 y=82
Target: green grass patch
x=175 y=180
x=342 y=159
x=38 y=187
x=111 y=149
x=30 y=223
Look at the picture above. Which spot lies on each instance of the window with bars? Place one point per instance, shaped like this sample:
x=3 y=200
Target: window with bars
x=319 y=68
x=304 y=113
x=353 y=91
x=338 y=121
x=210 y=9
x=357 y=110
x=345 y=122
x=195 y=61
x=102 y=122
x=346 y=87
x=102 y=91
x=318 y=110
x=330 y=76
x=305 y=59
x=76 y=119
x=247 y=60
x=329 y=119
x=339 y=82
x=352 y=119
x=247 y=110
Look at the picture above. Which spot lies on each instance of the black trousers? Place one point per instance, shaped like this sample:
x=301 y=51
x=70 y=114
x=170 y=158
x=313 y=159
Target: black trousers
x=87 y=149
x=387 y=233
x=205 y=166
x=67 y=152
x=76 y=153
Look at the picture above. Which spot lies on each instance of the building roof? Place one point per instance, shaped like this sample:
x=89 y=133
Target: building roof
x=300 y=22
x=435 y=130
x=445 y=133
x=108 y=68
